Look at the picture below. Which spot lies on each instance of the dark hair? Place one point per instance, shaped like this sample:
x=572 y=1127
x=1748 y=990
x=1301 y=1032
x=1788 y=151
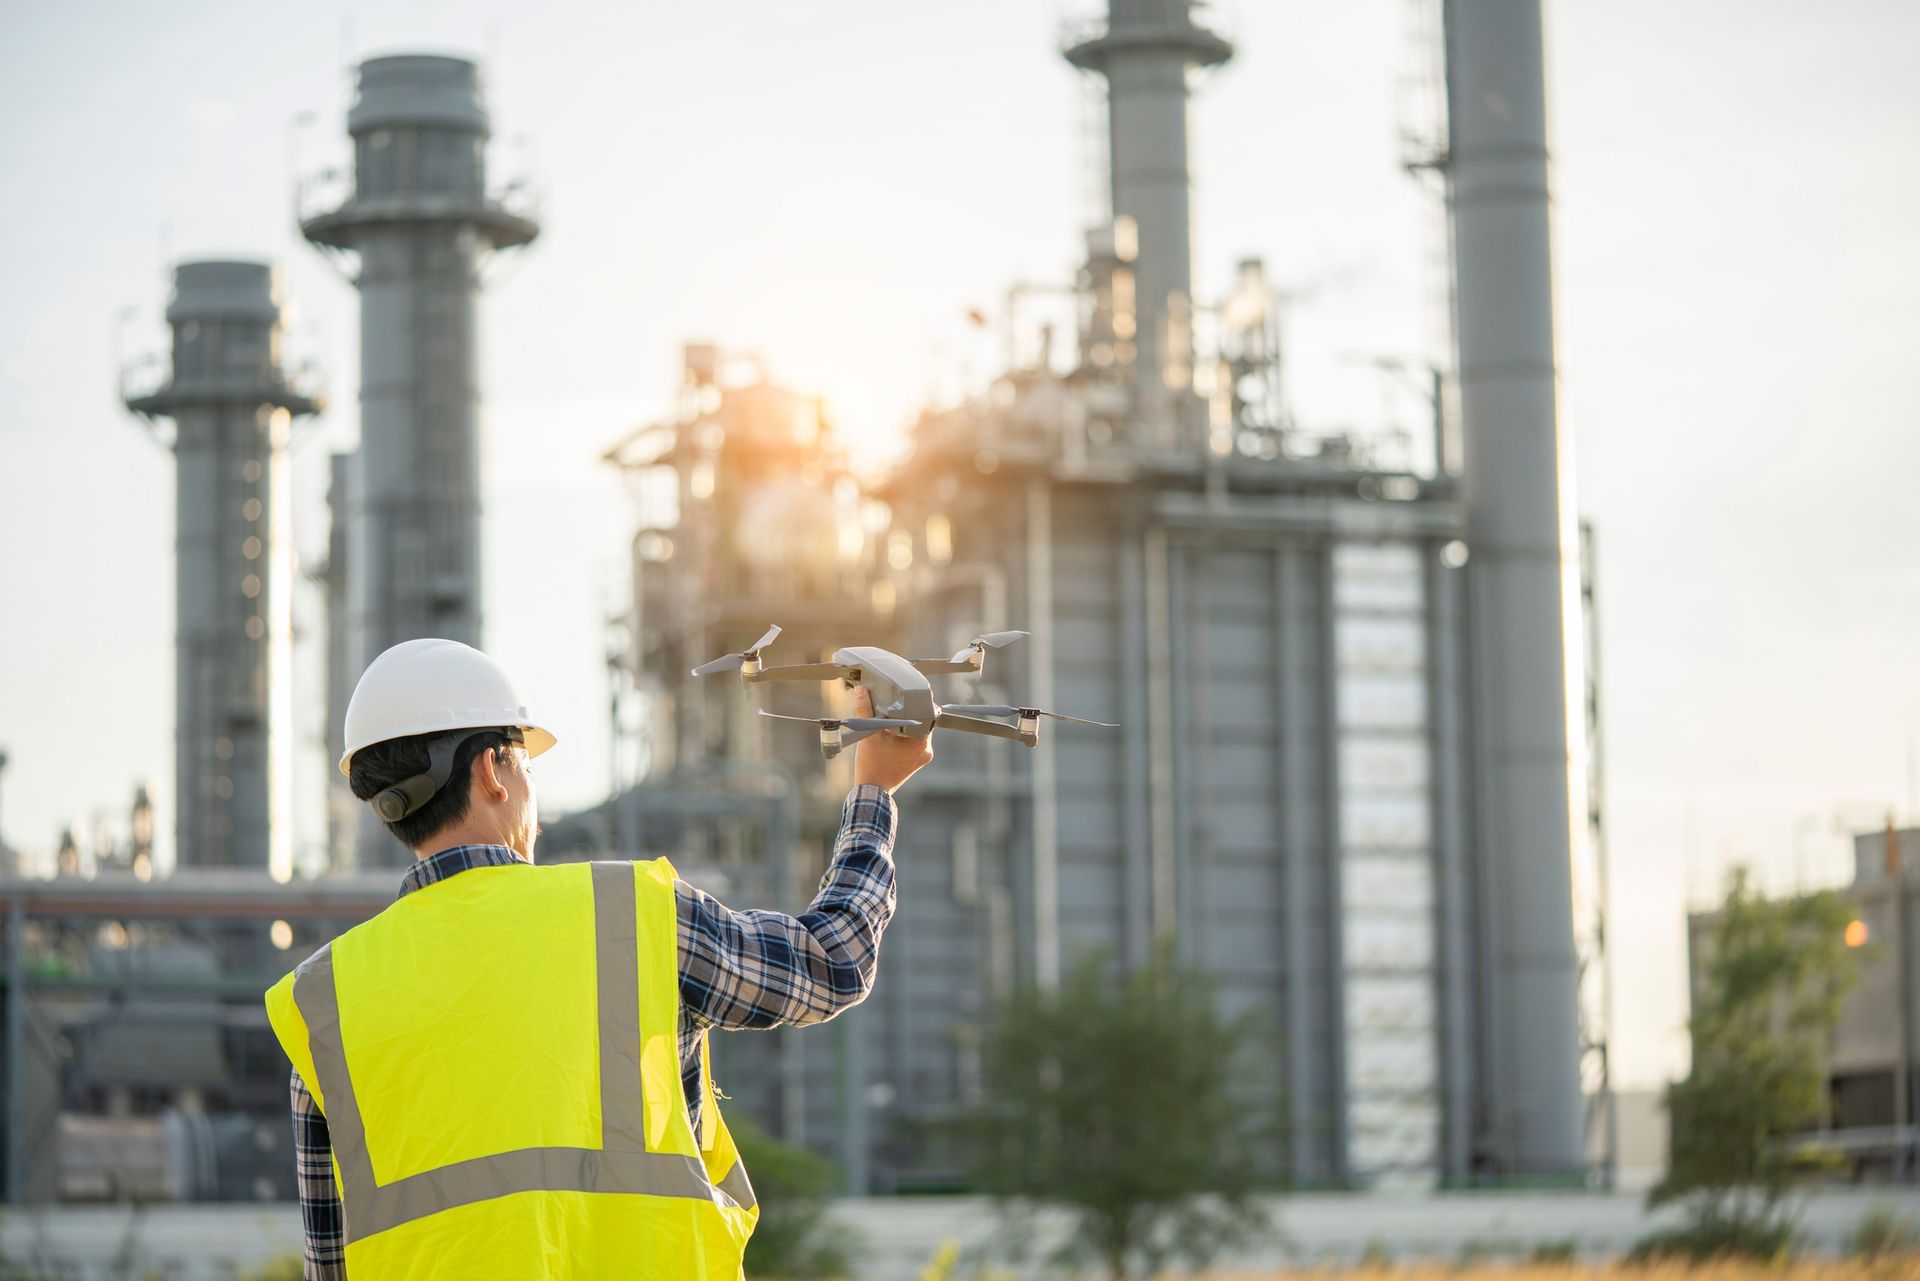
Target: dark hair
x=379 y=766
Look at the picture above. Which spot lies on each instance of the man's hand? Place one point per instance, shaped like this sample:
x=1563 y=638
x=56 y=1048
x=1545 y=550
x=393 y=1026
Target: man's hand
x=885 y=759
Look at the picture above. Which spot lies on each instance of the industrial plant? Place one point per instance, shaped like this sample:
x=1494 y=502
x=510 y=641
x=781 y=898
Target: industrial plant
x=1344 y=785
x=1353 y=780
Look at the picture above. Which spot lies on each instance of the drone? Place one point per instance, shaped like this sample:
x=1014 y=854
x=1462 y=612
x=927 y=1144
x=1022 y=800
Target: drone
x=902 y=699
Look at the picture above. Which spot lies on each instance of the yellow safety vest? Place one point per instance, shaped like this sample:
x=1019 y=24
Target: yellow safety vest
x=496 y=1055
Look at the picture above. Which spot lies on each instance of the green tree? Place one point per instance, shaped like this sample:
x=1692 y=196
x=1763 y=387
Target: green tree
x=1776 y=973
x=1124 y=1102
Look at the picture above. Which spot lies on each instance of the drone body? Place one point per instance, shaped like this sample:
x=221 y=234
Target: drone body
x=903 y=701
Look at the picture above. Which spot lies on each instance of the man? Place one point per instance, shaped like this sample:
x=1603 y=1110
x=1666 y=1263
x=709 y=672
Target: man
x=485 y=1073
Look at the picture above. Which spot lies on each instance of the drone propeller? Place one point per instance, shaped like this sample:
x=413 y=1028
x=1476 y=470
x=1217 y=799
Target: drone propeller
x=1005 y=709
x=733 y=662
x=868 y=723
x=992 y=640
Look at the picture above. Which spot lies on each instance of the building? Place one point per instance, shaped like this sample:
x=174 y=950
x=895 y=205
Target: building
x=1874 y=1047
x=1344 y=779
x=1871 y=1076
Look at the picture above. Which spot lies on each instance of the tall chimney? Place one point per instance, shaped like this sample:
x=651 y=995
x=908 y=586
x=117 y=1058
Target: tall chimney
x=232 y=412
x=421 y=221
x=1522 y=579
x=1145 y=52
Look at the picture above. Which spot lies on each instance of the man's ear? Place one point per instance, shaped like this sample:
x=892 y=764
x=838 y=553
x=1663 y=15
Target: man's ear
x=486 y=776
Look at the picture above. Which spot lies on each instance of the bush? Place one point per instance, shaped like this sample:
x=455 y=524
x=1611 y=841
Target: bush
x=793 y=1240
x=1776 y=970
x=288 y=1267
x=1473 y=1255
x=1708 y=1234
x=1120 y=1100
x=1883 y=1234
x=946 y=1264
x=1567 y=1251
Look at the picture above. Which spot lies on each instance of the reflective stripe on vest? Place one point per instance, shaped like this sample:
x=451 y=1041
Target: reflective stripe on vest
x=621 y=1165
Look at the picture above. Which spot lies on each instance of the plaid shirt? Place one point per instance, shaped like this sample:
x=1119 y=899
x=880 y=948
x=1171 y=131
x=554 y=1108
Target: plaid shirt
x=751 y=969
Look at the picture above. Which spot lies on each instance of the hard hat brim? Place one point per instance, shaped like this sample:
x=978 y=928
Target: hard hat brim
x=538 y=739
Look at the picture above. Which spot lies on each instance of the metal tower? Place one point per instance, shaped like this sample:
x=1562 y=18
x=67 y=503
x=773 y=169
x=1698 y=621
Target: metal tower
x=1523 y=579
x=421 y=220
x=1145 y=51
x=232 y=409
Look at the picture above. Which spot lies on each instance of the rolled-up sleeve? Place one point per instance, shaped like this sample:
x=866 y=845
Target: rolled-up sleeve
x=760 y=969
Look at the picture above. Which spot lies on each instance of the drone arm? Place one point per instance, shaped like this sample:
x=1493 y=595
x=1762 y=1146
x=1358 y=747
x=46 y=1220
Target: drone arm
x=796 y=672
x=848 y=737
x=972 y=725
x=943 y=666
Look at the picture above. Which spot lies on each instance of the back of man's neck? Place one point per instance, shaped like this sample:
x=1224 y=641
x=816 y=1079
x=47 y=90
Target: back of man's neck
x=458 y=836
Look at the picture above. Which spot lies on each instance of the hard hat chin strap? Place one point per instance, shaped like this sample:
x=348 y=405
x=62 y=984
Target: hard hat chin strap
x=409 y=794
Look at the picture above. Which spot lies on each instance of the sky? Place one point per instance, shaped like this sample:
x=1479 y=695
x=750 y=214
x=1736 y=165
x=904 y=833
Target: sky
x=834 y=185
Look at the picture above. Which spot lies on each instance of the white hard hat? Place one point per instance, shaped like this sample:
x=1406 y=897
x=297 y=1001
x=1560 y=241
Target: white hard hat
x=429 y=686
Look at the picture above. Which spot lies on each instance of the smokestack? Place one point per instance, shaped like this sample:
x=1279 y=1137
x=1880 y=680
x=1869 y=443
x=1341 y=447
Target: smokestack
x=1145 y=52
x=232 y=412
x=1522 y=577
x=421 y=221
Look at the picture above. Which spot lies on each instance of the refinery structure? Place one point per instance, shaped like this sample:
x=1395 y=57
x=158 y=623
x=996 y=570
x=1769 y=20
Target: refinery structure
x=1351 y=780
x=1344 y=784
x=412 y=226
x=231 y=405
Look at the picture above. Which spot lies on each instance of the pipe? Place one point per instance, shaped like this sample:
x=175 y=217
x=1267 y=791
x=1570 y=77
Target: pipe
x=16 y=1138
x=1295 y=851
x=1046 y=823
x=1452 y=902
x=1340 y=1095
x=1196 y=611
x=850 y=1045
x=1609 y=1159
x=1524 y=570
x=1160 y=709
x=1137 y=757
x=1903 y=995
